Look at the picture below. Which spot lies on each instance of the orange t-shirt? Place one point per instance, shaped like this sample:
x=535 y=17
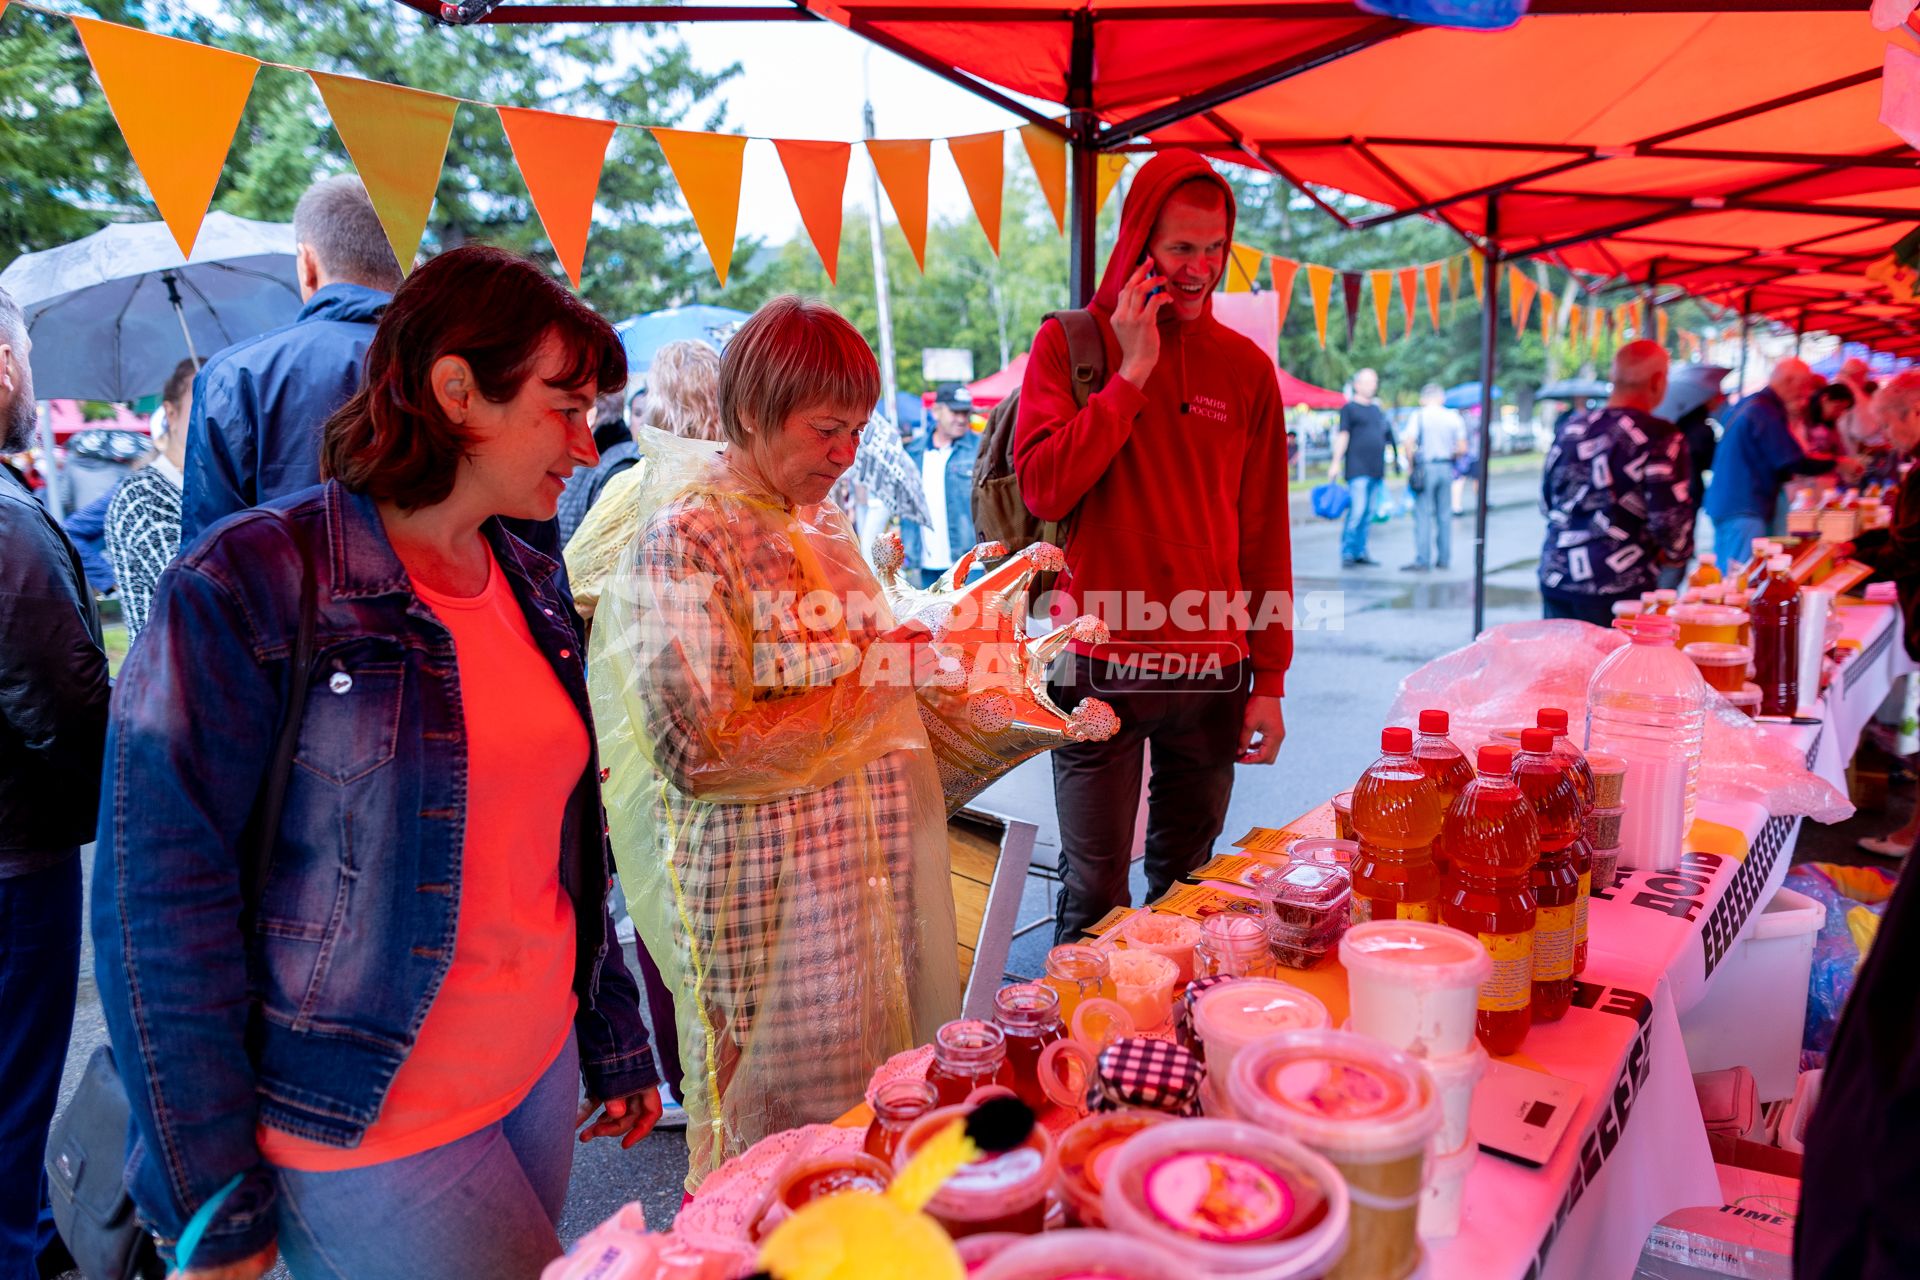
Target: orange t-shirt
x=505 y=1009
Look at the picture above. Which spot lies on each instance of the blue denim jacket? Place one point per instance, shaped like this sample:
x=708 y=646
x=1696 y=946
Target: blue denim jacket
x=959 y=476
x=302 y=1017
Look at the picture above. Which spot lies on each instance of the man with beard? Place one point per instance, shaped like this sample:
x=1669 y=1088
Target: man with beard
x=53 y=727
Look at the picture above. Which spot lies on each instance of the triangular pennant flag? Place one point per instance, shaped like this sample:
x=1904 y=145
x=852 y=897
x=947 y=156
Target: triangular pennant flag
x=177 y=104
x=1320 y=285
x=1549 y=313
x=1243 y=269
x=817 y=174
x=1576 y=325
x=560 y=157
x=1107 y=168
x=1350 y=293
x=1381 y=283
x=1622 y=319
x=1639 y=317
x=1407 y=277
x=1662 y=324
x=1453 y=282
x=1478 y=261
x=1596 y=325
x=397 y=138
x=1047 y=152
x=3 y=8
x=1433 y=294
x=982 y=161
x=902 y=164
x=1283 y=273
x=707 y=167
x=1520 y=293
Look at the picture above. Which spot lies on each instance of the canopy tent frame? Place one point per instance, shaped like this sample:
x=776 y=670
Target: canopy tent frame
x=1127 y=128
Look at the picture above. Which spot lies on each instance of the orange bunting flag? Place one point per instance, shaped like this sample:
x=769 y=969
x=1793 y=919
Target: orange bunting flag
x=707 y=167
x=560 y=157
x=1380 y=283
x=397 y=138
x=1433 y=294
x=1576 y=325
x=177 y=104
x=1108 y=167
x=1407 y=277
x=1047 y=152
x=1520 y=294
x=1639 y=308
x=1549 y=316
x=1662 y=324
x=1243 y=270
x=1596 y=325
x=1453 y=283
x=1478 y=261
x=3 y=8
x=817 y=174
x=1320 y=285
x=1283 y=274
x=902 y=164
x=982 y=161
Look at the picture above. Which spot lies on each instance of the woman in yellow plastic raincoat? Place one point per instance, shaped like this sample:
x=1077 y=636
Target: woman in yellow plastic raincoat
x=774 y=807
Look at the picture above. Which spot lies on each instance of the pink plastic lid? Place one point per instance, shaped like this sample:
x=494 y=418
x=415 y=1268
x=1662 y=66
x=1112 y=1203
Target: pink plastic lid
x=1336 y=1091
x=1707 y=653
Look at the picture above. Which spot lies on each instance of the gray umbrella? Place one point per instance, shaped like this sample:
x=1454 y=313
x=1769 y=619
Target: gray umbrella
x=112 y=314
x=1688 y=387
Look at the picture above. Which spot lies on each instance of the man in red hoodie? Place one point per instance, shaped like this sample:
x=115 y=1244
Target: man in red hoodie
x=1172 y=487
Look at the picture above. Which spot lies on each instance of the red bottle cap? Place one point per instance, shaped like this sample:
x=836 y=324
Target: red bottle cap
x=1496 y=759
x=1397 y=738
x=1540 y=740
x=1434 y=722
x=1553 y=718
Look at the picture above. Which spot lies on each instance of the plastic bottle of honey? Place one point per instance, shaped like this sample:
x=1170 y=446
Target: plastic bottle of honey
x=1775 y=610
x=1574 y=760
x=1556 y=885
x=1491 y=840
x=1445 y=763
x=1396 y=818
x=1707 y=572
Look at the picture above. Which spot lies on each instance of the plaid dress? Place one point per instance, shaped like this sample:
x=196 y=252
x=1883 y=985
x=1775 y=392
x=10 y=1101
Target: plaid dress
x=792 y=847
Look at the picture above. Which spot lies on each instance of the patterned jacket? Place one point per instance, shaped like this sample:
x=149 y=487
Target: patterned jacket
x=1618 y=497
x=143 y=537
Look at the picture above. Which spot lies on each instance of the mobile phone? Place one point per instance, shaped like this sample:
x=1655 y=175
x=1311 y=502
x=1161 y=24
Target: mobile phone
x=1146 y=260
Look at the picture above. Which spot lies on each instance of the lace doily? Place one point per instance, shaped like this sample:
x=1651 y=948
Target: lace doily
x=731 y=1193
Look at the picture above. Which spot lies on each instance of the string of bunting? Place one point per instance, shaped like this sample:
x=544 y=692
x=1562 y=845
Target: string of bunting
x=178 y=104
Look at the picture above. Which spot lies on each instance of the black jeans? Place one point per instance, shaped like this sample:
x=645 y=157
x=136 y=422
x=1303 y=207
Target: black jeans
x=1192 y=724
x=1595 y=609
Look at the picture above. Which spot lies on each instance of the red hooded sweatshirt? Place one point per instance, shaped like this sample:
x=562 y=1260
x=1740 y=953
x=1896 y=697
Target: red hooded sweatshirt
x=1178 y=490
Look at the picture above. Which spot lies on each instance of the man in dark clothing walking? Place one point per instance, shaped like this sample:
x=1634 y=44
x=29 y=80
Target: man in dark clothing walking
x=53 y=727
x=1362 y=441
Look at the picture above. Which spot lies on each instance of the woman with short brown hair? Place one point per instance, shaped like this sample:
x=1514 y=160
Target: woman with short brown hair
x=774 y=807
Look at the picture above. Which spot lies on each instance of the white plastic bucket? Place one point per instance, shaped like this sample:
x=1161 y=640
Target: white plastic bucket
x=1754 y=1013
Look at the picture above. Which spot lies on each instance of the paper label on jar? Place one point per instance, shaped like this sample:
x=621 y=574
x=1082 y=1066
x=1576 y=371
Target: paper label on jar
x=1580 y=907
x=1553 y=944
x=1366 y=909
x=1511 y=986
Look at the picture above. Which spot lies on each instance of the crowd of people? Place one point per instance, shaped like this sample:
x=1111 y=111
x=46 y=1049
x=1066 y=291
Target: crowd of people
x=361 y=788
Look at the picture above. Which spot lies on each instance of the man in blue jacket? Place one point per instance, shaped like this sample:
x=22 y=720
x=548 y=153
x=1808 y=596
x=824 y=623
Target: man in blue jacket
x=1756 y=456
x=258 y=406
x=945 y=454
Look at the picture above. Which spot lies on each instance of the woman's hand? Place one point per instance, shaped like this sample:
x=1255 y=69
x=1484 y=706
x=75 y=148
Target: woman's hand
x=245 y=1269
x=1136 y=323
x=632 y=1116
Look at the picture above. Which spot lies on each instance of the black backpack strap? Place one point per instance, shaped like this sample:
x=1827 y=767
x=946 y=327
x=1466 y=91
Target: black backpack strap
x=273 y=790
x=1086 y=352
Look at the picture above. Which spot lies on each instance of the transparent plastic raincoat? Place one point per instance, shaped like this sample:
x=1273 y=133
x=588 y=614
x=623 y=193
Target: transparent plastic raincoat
x=773 y=804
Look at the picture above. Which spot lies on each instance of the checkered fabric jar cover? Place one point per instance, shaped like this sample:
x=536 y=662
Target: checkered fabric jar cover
x=1184 y=1032
x=1153 y=1075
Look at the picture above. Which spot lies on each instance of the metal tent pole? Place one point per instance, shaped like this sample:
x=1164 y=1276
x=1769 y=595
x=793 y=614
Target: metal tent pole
x=882 y=300
x=1083 y=127
x=1489 y=342
x=1746 y=328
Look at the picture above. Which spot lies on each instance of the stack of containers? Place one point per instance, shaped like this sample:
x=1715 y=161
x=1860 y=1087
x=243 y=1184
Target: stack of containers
x=1646 y=703
x=1603 y=820
x=1416 y=987
x=1307 y=904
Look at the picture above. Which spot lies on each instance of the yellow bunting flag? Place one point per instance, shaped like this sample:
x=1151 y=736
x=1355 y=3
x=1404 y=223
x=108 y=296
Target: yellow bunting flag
x=177 y=104
x=1108 y=166
x=1380 y=283
x=817 y=174
x=397 y=138
x=1320 y=285
x=1047 y=152
x=1243 y=269
x=1283 y=274
x=982 y=161
x=1662 y=325
x=1478 y=261
x=902 y=165
x=1520 y=294
x=1433 y=270
x=707 y=167
x=560 y=157
x=1549 y=315
x=1408 y=275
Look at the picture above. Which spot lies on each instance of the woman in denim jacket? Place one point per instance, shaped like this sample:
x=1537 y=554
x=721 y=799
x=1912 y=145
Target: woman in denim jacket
x=381 y=1045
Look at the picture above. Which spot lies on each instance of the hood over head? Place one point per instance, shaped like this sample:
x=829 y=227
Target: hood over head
x=1146 y=194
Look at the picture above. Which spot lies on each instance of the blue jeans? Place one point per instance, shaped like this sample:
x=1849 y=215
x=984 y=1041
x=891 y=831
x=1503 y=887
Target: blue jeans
x=1433 y=514
x=1365 y=492
x=1733 y=539
x=39 y=976
x=482 y=1208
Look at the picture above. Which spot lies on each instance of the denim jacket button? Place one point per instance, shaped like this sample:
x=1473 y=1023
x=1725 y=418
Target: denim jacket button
x=340 y=682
